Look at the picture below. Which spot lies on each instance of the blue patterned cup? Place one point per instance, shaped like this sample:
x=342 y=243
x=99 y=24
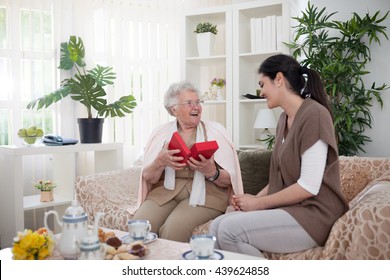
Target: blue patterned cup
x=138 y=229
x=202 y=245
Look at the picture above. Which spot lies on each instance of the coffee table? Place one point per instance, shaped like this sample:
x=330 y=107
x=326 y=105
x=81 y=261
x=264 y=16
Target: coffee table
x=160 y=249
x=163 y=249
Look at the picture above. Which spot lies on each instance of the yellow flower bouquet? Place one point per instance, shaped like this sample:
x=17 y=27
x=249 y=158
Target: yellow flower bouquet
x=32 y=245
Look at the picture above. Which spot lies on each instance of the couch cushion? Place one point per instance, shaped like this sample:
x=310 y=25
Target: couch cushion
x=254 y=166
x=364 y=231
x=111 y=193
x=353 y=181
x=357 y=173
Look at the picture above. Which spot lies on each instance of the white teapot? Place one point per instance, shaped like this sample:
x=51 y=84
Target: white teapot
x=74 y=229
x=90 y=247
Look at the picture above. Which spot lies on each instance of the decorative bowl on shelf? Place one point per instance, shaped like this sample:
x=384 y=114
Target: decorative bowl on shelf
x=31 y=141
x=31 y=136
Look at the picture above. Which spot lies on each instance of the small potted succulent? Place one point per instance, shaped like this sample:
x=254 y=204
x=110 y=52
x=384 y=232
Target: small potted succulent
x=204 y=27
x=46 y=188
x=205 y=33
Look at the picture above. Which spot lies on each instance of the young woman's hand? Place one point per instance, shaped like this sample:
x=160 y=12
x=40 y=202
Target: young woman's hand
x=246 y=202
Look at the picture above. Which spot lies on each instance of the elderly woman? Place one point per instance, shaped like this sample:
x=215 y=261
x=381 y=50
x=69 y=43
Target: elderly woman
x=177 y=197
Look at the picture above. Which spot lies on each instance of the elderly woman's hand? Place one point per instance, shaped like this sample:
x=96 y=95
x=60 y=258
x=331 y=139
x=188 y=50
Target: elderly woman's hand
x=167 y=158
x=205 y=166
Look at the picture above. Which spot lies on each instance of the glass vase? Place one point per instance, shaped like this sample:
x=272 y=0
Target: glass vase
x=219 y=94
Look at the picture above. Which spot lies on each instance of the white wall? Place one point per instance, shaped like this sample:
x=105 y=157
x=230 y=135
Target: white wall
x=379 y=68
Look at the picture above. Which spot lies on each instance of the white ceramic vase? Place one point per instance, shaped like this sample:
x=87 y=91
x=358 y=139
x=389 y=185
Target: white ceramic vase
x=205 y=44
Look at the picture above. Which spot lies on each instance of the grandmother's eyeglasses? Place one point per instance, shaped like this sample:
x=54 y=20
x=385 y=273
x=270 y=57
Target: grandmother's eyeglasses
x=190 y=103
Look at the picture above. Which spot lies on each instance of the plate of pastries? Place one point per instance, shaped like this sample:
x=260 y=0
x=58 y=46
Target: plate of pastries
x=116 y=250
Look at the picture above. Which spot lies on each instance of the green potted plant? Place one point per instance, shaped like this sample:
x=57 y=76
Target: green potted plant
x=205 y=33
x=340 y=52
x=86 y=87
x=204 y=27
x=46 y=188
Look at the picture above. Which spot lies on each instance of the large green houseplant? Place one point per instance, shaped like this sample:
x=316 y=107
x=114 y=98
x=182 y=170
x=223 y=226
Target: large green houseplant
x=339 y=51
x=86 y=87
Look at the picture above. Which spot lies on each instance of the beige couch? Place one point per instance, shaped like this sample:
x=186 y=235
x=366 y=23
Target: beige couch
x=362 y=233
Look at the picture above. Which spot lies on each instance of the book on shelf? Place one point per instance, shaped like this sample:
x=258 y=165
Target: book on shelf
x=253 y=35
x=258 y=35
x=206 y=149
x=272 y=37
x=266 y=36
x=265 y=33
x=279 y=40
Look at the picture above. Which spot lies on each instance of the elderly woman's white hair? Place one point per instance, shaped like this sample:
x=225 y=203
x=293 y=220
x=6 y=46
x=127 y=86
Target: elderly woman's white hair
x=171 y=95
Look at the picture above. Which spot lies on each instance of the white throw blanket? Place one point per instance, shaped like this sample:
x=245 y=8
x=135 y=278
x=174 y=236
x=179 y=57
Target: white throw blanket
x=198 y=193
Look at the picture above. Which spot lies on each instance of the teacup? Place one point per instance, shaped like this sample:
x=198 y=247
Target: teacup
x=202 y=245
x=138 y=229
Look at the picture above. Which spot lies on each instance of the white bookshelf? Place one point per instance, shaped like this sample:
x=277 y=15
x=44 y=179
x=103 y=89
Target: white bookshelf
x=64 y=162
x=31 y=202
x=236 y=60
x=246 y=61
x=201 y=70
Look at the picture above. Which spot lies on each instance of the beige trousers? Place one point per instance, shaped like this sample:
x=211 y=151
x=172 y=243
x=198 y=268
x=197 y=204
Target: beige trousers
x=176 y=219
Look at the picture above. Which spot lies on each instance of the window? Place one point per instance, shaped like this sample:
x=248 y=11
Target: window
x=27 y=67
x=141 y=41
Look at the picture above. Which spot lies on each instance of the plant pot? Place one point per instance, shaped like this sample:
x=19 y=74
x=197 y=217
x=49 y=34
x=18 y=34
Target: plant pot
x=205 y=43
x=91 y=130
x=47 y=196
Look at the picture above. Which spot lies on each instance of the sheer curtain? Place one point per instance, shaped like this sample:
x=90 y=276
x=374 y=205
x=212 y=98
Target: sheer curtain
x=141 y=41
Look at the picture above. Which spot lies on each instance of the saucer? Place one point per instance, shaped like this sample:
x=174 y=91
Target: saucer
x=189 y=255
x=150 y=237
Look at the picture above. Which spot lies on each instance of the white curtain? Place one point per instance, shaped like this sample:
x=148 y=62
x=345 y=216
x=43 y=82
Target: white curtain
x=140 y=39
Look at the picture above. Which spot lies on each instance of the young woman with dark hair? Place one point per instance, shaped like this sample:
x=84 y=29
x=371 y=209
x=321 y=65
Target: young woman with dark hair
x=302 y=200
